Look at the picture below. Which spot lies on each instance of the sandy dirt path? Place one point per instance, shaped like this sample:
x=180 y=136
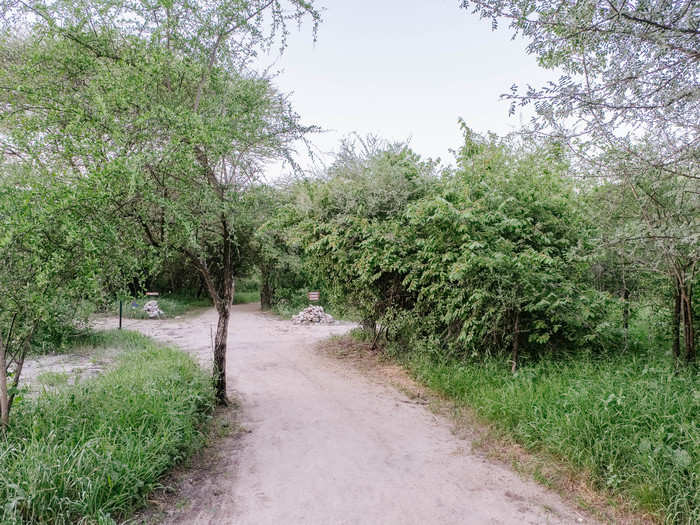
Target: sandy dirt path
x=328 y=445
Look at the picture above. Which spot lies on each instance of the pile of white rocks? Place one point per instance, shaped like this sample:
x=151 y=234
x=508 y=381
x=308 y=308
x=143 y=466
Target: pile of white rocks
x=313 y=315
x=152 y=309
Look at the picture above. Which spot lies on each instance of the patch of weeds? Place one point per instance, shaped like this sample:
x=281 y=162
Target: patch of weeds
x=223 y=428
x=629 y=421
x=91 y=453
x=53 y=379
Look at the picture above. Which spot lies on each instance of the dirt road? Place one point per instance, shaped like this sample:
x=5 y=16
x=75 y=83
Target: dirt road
x=328 y=445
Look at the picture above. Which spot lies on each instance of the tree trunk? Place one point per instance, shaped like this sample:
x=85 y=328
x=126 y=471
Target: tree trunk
x=220 y=341
x=4 y=401
x=201 y=287
x=688 y=328
x=223 y=304
x=516 y=337
x=18 y=371
x=377 y=336
x=675 y=323
x=265 y=293
x=369 y=325
x=626 y=313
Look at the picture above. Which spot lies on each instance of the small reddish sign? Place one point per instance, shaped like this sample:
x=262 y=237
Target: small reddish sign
x=314 y=296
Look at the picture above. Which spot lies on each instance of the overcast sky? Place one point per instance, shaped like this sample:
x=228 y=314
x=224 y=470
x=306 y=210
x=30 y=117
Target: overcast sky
x=404 y=70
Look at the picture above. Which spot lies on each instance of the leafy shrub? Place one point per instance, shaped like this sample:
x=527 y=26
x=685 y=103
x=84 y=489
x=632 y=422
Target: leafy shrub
x=499 y=256
x=488 y=258
x=353 y=234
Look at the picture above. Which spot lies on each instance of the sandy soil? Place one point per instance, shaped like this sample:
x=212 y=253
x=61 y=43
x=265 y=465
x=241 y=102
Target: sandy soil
x=51 y=371
x=326 y=444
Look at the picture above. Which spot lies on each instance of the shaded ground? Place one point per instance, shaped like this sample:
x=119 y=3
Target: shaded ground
x=322 y=443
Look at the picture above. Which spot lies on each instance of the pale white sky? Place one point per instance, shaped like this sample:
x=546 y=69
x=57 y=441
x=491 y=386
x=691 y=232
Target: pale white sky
x=403 y=69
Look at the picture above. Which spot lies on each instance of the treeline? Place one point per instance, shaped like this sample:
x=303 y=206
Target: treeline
x=132 y=138
x=506 y=253
x=545 y=298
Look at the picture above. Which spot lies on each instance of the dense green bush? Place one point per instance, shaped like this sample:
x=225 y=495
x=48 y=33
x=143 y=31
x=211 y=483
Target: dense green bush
x=317 y=238
x=353 y=230
x=91 y=452
x=487 y=258
x=499 y=257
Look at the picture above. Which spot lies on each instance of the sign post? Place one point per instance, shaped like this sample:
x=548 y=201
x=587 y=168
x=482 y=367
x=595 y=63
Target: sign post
x=314 y=296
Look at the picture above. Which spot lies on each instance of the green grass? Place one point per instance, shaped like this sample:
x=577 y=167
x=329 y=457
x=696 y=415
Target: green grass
x=91 y=453
x=246 y=297
x=172 y=305
x=53 y=379
x=627 y=419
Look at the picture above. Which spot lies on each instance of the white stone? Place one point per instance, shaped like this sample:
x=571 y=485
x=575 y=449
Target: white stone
x=152 y=309
x=313 y=315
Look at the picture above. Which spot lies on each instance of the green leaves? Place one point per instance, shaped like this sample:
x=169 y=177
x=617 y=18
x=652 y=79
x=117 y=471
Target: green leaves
x=508 y=236
x=150 y=114
x=462 y=255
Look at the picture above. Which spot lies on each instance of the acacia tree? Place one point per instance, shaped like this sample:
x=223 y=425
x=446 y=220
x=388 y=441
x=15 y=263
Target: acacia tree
x=653 y=226
x=630 y=70
x=153 y=108
x=52 y=264
x=628 y=107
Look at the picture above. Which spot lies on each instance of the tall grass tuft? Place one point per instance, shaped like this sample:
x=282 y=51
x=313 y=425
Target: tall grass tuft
x=91 y=453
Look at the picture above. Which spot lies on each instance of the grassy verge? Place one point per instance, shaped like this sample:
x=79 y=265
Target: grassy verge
x=246 y=297
x=172 y=305
x=627 y=420
x=91 y=453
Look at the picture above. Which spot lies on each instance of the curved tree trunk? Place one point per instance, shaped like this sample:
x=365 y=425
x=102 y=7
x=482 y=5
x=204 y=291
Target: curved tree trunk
x=222 y=296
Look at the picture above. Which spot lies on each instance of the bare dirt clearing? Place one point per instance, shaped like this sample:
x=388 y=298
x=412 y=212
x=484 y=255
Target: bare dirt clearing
x=327 y=444
x=51 y=370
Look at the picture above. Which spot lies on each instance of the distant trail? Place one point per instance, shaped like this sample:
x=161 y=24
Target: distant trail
x=328 y=445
